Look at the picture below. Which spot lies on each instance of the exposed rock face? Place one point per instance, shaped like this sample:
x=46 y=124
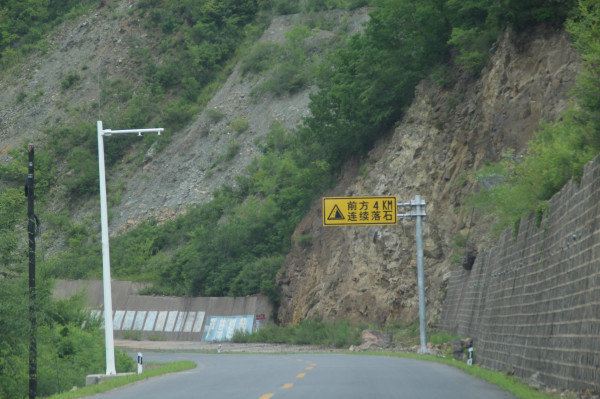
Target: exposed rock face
x=368 y=273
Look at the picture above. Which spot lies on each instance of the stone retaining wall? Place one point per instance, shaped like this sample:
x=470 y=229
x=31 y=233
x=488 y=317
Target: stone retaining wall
x=532 y=303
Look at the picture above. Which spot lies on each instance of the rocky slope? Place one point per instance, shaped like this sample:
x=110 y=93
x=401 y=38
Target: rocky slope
x=93 y=47
x=368 y=273
x=97 y=49
x=195 y=163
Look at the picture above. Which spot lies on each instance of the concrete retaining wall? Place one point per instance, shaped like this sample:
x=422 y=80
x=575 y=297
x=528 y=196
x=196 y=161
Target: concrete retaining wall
x=172 y=318
x=532 y=303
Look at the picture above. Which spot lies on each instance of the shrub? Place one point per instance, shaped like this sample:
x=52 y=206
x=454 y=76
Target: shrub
x=177 y=114
x=214 y=115
x=260 y=58
x=233 y=148
x=286 y=78
x=285 y=7
x=69 y=80
x=24 y=24
x=239 y=125
x=82 y=179
x=21 y=96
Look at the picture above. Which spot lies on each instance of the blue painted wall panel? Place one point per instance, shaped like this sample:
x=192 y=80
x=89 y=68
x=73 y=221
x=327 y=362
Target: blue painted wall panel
x=222 y=328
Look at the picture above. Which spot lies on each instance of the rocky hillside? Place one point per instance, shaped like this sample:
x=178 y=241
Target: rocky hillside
x=90 y=58
x=220 y=143
x=91 y=49
x=368 y=273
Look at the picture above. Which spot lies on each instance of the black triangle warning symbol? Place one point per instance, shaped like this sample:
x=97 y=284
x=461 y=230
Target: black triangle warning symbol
x=335 y=214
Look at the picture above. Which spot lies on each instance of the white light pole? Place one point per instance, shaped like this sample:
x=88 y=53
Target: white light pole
x=108 y=320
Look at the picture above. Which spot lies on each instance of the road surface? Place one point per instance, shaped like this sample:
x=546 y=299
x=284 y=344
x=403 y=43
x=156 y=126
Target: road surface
x=295 y=376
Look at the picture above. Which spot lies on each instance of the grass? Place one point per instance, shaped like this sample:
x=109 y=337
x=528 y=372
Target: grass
x=152 y=370
x=508 y=383
x=338 y=334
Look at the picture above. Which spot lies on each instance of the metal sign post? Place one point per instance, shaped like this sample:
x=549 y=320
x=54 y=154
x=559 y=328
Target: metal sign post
x=356 y=211
x=417 y=212
x=108 y=321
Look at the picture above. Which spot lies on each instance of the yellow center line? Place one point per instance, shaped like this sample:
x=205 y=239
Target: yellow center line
x=268 y=395
x=300 y=375
x=289 y=385
x=313 y=365
x=308 y=368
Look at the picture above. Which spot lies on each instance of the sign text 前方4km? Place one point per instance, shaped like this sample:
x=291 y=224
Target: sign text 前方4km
x=350 y=211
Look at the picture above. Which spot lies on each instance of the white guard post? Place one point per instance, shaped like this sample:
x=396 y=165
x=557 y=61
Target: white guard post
x=140 y=363
x=108 y=320
x=417 y=212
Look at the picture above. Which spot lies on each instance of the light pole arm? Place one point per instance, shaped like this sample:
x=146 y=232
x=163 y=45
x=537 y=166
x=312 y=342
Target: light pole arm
x=108 y=132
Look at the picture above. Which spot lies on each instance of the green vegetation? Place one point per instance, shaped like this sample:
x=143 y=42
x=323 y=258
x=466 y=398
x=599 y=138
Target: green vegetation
x=150 y=370
x=292 y=65
x=69 y=80
x=70 y=342
x=235 y=244
x=23 y=24
x=239 y=125
x=214 y=115
x=477 y=23
x=339 y=334
x=560 y=149
x=292 y=7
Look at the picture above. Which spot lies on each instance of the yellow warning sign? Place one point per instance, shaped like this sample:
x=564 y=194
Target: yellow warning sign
x=350 y=211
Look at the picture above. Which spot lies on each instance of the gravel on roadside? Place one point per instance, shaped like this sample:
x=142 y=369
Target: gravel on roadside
x=227 y=347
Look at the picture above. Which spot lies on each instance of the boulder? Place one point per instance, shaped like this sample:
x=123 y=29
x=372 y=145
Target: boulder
x=372 y=339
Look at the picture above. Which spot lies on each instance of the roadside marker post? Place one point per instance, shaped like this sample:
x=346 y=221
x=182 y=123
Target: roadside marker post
x=106 y=281
x=140 y=362
x=361 y=211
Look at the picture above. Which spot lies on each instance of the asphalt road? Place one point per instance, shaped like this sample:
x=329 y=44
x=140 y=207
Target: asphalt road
x=307 y=376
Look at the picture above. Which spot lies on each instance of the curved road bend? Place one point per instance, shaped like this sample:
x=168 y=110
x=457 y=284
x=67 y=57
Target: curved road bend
x=306 y=376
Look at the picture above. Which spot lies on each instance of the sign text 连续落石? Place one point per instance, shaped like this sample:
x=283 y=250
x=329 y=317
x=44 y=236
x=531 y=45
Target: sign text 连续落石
x=350 y=211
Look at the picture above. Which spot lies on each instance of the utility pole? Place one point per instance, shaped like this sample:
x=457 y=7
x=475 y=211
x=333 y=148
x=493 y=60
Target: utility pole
x=106 y=281
x=417 y=212
x=31 y=229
